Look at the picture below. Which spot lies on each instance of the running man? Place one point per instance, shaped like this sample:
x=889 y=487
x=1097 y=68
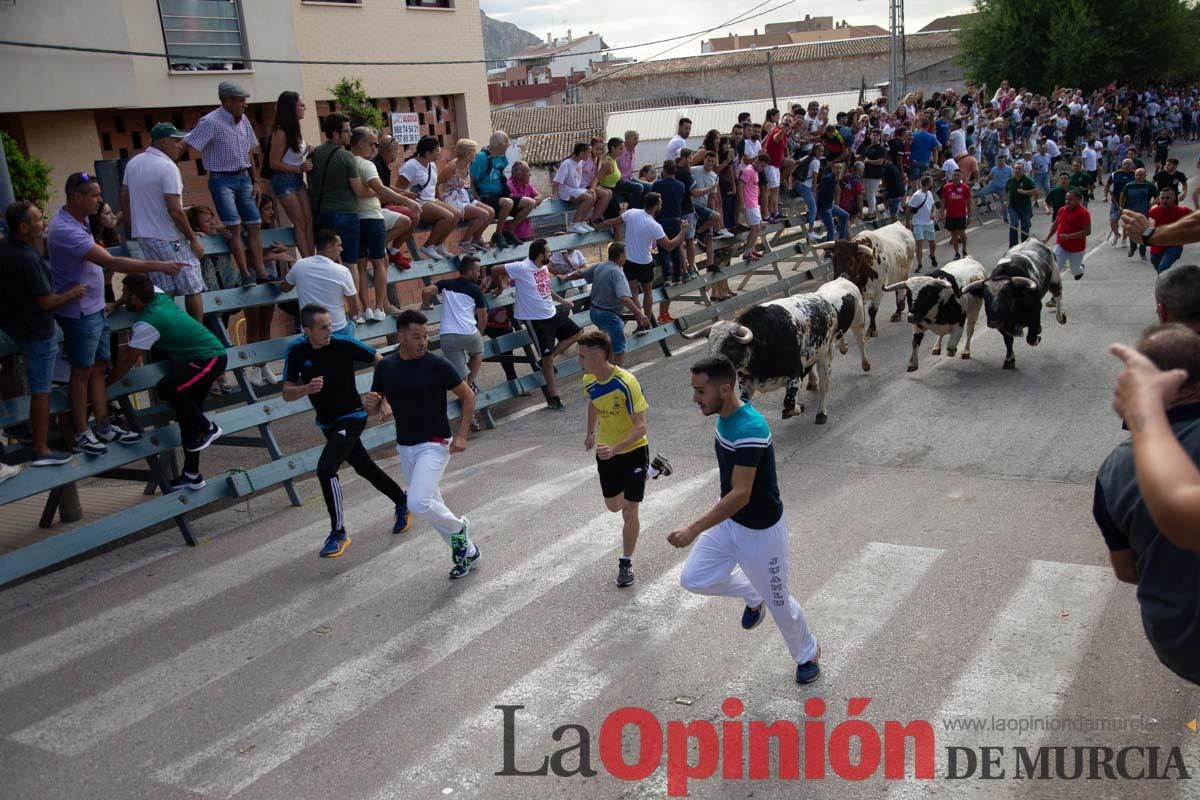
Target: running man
x=320 y=366
x=416 y=381
x=747 y=527
x=622 y=451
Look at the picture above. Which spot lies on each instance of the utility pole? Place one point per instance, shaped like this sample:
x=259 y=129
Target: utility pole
x=771 y=75
x=897 y=75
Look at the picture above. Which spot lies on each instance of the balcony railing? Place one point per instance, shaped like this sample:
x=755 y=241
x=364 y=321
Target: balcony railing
x=204 y=35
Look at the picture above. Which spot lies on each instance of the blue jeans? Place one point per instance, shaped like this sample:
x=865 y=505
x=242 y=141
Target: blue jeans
x=1042 y=181
x=347 y=226
x=828 y=216
x=631 y=192
x=1169 y=255
x=233 y=195
x=1018 y=218
x=810 y=202
x=671 y=261
x=611 y=323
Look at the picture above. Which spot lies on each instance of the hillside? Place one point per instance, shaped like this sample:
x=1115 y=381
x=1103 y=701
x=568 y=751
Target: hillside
x=502 y=39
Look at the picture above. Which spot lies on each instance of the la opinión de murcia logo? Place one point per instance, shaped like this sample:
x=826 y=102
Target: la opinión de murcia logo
x=853 y=750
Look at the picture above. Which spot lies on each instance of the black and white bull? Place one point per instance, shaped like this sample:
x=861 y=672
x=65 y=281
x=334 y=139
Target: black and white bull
x=872 y=259
x=936 y=304
x=843 y=295
x=1012 y=294
x=777 y=343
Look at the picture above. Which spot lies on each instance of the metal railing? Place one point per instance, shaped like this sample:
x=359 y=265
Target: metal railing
x=204 y=34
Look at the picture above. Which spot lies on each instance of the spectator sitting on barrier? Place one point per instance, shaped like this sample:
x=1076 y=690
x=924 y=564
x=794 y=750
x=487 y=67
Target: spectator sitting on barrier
x=625 y=189
x=372 y=259
x=418 y=179
x=464 y=316
x=27 y=303
x=1147 y=495
x=605 y=213
x=487 y=171
x=454 y=187
x=626 y=160
x=75 y=258
x=195 y=359
x=567 y=261
x=521 y=188
x=570 y=188
x=321 y=280
x=290 y=159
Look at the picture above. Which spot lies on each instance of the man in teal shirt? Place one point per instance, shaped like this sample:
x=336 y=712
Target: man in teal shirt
x=196 y=358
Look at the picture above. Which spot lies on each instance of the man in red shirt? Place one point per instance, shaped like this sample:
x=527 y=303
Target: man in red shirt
x=1073 y=224
x=775 y=146
x=956 y=211
x=1164 y=212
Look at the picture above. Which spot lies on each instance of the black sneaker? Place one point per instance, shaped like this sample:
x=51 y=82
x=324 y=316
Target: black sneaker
x=186 y=481
x=809 y=670
x=659 y=466
x=624 y=572
x=555 y=404
x=932 y=261
x=752 y=617
x=115 y=433
x=1080 y=275
x=87 y=442
x=50 y=459
x=512 y=239
x=208 y=437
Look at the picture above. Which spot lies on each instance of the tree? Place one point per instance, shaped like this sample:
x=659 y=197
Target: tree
x=30 y=176
x=352 y=101
x=1080 y=43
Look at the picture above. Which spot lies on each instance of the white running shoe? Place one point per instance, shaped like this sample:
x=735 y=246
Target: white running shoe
x=254 y=375
x=431 y=253
x=723 y=234
x=441 y=248
x=268 y=375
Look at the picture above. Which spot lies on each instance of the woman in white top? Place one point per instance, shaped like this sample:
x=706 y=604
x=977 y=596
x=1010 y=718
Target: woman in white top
x=568 y=187
x=454 y=188
x=289 y=158
x=418 y=179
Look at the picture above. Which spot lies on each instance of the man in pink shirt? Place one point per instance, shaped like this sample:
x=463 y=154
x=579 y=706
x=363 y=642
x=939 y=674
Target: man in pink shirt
x=627 y=160
x=748 y=177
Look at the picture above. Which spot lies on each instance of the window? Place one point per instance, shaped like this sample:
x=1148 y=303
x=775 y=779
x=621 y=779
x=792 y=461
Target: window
x=204 y=35
x=429 y=3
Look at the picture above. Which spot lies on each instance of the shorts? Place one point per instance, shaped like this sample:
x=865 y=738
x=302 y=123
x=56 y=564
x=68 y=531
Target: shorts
x=638 y=273
x=690 y=219
x=457 y=348
x=625 y=473
x=390 y=218
x=346 y=331
x=926 y=232
x=956 y=223
x=915 y=171
x=546 y=333
x=372 y=238
x=753 y=216
x=1114 y=212
x=611 y=323
x=233 y=195
x=346 y=223
x=569 y=194
x=285 y=183
x=703 y=215
x=492 y=201
x=86 y=339
x=39 y=356
x=772 y=174
x=189 y=280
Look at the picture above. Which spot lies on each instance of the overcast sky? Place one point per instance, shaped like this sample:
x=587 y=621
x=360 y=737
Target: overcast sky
x=624 y=22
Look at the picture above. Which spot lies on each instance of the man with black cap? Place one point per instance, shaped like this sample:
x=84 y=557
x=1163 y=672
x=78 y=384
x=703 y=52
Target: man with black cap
x=152 y=202
x=225 y=139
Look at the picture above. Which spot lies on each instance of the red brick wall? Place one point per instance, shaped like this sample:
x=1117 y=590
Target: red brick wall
x=436 y=113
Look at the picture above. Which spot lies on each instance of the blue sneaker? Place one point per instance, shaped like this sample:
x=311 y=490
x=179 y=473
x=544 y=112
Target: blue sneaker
x=809 y=670
x=335 y=545
x=458 y=553
x=752 y=617
x=403 y=519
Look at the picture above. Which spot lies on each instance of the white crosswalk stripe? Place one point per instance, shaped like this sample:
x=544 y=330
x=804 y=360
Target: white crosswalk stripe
x=227 y=766
x=1032 y=650
x=50 y=653
x=81 y=726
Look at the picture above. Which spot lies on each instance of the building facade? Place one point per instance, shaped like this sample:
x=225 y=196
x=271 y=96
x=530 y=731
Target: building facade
x=72 y=109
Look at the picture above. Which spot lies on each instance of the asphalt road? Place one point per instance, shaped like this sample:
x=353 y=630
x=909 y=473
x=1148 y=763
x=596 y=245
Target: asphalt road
x=941 y=543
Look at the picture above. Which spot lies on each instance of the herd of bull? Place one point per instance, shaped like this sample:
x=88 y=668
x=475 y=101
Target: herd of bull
x=778 y=343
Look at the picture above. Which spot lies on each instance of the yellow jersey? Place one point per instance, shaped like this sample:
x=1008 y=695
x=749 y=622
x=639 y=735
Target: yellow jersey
x=616 y=400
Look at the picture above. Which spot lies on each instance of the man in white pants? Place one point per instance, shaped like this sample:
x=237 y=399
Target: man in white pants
x=415 y=381
x=742 y=542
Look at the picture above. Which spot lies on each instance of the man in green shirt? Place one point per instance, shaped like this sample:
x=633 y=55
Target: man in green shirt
x=336 y=186
x=1020 y=191
x=196 y=358
x=1081 y=180
x=1056 y=198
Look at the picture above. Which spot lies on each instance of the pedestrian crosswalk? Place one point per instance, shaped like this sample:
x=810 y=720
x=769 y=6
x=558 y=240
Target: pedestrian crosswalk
x=1029 y=650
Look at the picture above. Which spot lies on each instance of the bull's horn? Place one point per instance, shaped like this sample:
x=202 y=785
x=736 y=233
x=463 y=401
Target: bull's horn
x=973 y=285
x=742 y=334
x=703 y=333
x=1028 y=283
x=893 y=287
x=823 y=246
x=866 y=250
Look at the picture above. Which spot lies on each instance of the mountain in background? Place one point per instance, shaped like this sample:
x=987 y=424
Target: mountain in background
x=502 y=39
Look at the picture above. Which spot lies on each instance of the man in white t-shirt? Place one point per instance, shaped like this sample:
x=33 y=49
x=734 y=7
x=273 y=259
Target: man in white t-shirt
x=320 y=280
x=642 y=232
x=564 y=262
x=679 y=140
x=920 y=210
x=706 y=191
x=546 y=316
x=151 y=198
x=372 y=252
x=949 y=167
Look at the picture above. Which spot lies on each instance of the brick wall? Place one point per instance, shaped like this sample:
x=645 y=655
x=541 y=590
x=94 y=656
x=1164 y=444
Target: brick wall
x=435 y=112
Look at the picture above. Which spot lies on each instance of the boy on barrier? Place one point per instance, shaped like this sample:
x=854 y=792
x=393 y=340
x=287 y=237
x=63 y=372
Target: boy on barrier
x=196 y=356
x=321 y=366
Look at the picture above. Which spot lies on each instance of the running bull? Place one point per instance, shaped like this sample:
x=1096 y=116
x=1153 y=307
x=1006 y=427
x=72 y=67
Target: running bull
x=936 y=304
x=1012 y=294
x=873 y=259
x=779 y=342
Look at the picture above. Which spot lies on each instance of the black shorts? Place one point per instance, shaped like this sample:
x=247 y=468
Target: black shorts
x=548 y=332
x=639 y=273
x=492 y=201
x=956 y=223
x=625 y=473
